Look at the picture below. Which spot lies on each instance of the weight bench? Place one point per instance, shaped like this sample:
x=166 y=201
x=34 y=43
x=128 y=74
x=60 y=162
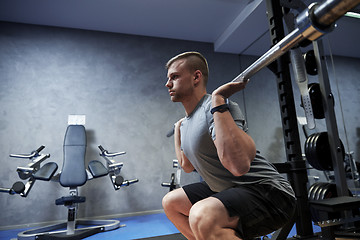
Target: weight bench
x=73 y=175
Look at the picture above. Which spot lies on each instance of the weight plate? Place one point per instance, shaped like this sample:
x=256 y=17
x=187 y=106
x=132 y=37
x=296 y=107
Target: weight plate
x=310 y=63
x=311 y=189
x=308 y=143
x=308 y=151
x=314 y=157
x=316 y=100
x=323 y=192
x=306 y=146
x=322 y=152
x=315 y=190
x=313 y=152
x=330 y=191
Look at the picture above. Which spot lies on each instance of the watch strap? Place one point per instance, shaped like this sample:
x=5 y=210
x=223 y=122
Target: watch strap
x=220 y=108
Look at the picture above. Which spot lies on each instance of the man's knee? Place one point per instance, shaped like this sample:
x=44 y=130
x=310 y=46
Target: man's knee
x=176 y=200
x=201 y=217
x=210 y=215
x=168 y=200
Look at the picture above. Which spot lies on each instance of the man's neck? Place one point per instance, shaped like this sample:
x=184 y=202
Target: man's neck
x=190 y=104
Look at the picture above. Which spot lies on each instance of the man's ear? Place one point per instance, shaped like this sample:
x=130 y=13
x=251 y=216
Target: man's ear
x=197 y=76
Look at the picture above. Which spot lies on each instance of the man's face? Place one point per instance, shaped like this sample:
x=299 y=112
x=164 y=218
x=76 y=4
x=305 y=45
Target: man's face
x=179 y=81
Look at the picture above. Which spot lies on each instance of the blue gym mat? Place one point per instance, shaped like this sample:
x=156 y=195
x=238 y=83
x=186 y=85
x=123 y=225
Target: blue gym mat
x=137 y=227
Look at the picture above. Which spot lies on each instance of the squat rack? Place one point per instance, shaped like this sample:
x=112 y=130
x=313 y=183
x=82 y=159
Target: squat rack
x=312 y=23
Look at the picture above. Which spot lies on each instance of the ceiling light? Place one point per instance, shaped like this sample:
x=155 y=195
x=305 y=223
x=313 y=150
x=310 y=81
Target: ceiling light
x=352 y=14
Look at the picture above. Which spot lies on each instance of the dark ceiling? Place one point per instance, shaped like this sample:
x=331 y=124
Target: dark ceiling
x=233 y=26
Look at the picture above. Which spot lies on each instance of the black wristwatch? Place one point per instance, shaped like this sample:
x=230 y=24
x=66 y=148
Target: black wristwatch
x=221 y=108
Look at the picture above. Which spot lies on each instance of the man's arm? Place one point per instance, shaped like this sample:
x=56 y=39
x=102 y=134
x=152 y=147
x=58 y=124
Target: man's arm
x=235 y=148
x=183 y=160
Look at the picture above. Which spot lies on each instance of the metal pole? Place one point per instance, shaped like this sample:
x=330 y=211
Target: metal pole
x=297 y=174
x=331 y=124
x=312 y=23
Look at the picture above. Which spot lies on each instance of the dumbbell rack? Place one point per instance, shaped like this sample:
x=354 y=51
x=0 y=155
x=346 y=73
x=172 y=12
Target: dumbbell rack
x=295 y=167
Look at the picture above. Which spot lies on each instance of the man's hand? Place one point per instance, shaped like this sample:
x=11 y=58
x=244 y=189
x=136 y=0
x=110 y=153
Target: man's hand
x=229 y=89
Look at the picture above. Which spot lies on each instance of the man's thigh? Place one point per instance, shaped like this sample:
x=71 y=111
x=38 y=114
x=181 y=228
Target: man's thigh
x=261 y=210
x=198 y=191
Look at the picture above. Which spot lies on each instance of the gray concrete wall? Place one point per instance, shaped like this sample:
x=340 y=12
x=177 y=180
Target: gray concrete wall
x=117 y=81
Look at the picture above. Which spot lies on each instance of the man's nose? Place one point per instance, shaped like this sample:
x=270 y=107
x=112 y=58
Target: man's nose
x=168 y=83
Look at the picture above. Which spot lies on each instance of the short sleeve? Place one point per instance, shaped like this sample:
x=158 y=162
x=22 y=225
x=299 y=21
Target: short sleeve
x=235 y=113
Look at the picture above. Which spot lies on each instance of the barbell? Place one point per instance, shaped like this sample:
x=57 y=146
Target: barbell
x=312 y=23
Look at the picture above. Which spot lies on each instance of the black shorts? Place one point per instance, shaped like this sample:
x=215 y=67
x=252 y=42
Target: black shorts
x=261 y=208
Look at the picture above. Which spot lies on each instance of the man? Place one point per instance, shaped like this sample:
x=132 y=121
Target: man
x=242 y=195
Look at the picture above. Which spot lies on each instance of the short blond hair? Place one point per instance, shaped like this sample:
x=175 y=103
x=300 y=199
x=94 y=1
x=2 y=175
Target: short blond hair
x=194 y=61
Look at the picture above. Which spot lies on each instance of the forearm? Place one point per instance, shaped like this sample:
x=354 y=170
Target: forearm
x=183 y=160
x=235 y=148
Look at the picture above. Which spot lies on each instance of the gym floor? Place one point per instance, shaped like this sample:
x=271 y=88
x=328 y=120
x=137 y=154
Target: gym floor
x=152 y=226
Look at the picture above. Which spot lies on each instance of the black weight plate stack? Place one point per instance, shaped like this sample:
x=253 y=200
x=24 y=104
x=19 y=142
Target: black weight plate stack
x=309 y=152
x=314 y=157
x=311 y=189
x=317 y=151
x=320 y=191
x=323 y=151
x=316 y=187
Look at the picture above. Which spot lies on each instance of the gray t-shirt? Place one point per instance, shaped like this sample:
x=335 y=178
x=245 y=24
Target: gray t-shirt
x=197 y=135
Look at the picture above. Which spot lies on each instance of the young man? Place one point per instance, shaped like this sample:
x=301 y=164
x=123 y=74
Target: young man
x=242 y=195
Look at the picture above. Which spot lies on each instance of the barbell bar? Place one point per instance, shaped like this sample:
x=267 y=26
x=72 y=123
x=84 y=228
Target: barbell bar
x=312 y=23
